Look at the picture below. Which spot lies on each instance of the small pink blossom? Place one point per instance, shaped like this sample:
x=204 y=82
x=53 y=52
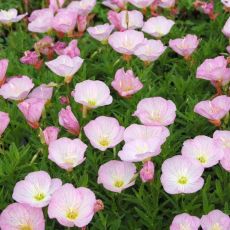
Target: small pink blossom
x=65 y=66
x=185 y=221
x=32 y=110
x=83 y=7
x=36 y=189
x=116 y=175
x=150 y=50
x=43 y=91
x=71 y=50
x=45 y=46
x=69 y=121
x=203 y=150
x=92 y=94
x=104 y=132
x=115 y=4
x=99 y=206
x=77 y=209
x=30 y=58
x=67 y=153
x=100 y=32
x=181 y=175
x=10 y=16
x=16 y=88
x=3 y=68
x=185 y=46
x=223 y=139
x=226 y=28
x=55 y=5
x=4 y=122
x=215 y=219
x=82 y=21
x=64 y=21
x=156 y=111
x=41 y=20
x=126 y=83
x=126 y=42
x=147 y=172
x=214 y=109
x=59 y=47
x=158 y=26
x=21 y=216
x=50 y=134
x=141 y=3
x=214 y=70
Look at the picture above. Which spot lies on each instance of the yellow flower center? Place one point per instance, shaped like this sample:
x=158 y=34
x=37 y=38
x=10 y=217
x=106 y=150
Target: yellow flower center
x=71 y=214
x=184 y=227
x=183 y=180
x=39 y=196
x=104 y=142
x=216 y=226
x=119 y=183
x=92 y=102
x=26 y=227
x=202 y=159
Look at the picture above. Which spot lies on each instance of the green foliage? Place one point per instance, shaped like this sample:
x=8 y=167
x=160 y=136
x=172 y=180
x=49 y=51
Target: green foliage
x=144 y=206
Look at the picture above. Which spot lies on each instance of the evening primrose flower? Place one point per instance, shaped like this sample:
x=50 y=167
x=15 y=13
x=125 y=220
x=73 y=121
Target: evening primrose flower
x=67 y=153
x=104 y=132
x=22 y=217
x=181 y=175
x=141 y=3
x=77 y=207
x=4 y=122
x=202 y=149
x=116 y=175
x=185 y=221
x=50 y=134
x=10 y=16
x=156 y=111
x=36 y=189
x=158 y=26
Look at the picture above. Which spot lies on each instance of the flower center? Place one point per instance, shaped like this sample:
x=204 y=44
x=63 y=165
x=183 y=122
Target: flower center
x=184 y=227
x=119 y=183
x=92 y=102
x=71 y=214
x=202 y=159
x=26 y=227
x=216 y=226
x=104 y=142
x=40 y=196
x=183 y=180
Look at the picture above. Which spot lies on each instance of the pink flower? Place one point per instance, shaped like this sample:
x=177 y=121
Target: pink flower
x=126 y=42
x=141 y=3
x=140 y=150
x=203 y=150
x=92 y=94
x=59 y=47
x=77 y=209
x=185 y=221
x=185 y=46
x=36 y=189
x=67 y=153
x=226 y=3
x=116 y=175
x=126 y=83
x=145 y=133
x=150 y=50
x=71 y=50
x=56 y=4
x=223 y=139
x=50 y=134
x=215 y=220
x=158 y=26
x=16 y=88
x=156 y=111
x=214 y=69
x=115 y=19
x=20 y=216
x=3 y=69
x=30 y=58
x=10 y=16
x=104 y=132
x=44 y=46
x=83 y=7
x=32 y=110
x=181 y=175
x=100 y=32
x=65 y=66
x=43 y=91
x=69 y=121
x=214 y=109
x=41 y=20
x=167 y=3
x=82 y=21
x=64 y=21
x=147 y=172
x=4 y=121
x=115 y=4
x=226 y=28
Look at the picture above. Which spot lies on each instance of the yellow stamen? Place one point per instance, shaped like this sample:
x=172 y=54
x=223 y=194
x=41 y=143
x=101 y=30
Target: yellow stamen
x=202 y=159
x=183 y=180
x=39 y=196
x=119 y=183
x=92 y=102
x=216 y=226
x=71 y=214
x=104 y=142
x=26 y=227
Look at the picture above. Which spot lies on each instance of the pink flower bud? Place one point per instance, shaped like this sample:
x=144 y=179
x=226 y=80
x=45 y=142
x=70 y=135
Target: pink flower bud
x=99 y=206
x=50 y=134
x=147 y=172
x=3 y=69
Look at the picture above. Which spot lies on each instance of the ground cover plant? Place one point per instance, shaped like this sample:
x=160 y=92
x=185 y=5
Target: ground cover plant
x=114 y=115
